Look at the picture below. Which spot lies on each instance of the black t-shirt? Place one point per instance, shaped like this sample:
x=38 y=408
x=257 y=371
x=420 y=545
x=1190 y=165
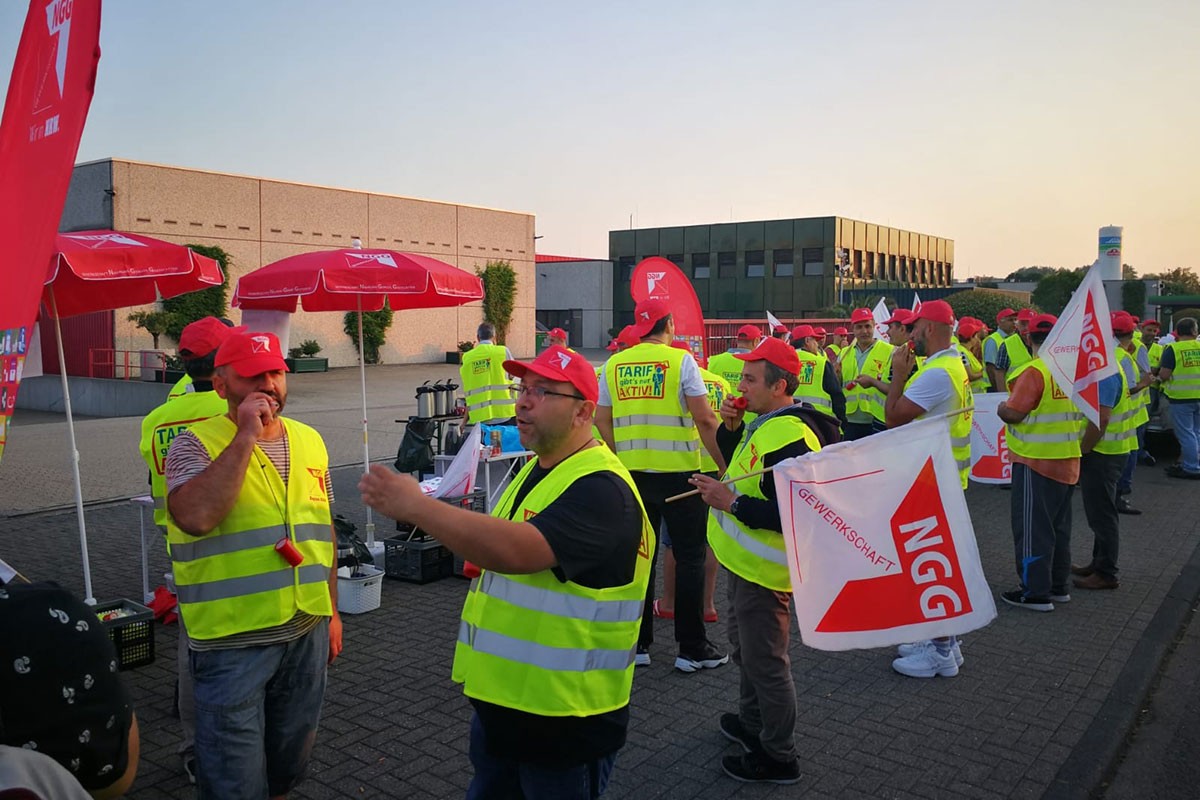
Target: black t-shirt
x=61 y=693
x=594 y=529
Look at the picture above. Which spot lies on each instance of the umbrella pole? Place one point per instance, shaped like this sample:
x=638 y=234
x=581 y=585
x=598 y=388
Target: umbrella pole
x=62 y=372
x=362 y=374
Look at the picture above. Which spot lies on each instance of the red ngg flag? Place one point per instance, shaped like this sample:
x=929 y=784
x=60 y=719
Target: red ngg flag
x=53 y=78
x=1079 y=348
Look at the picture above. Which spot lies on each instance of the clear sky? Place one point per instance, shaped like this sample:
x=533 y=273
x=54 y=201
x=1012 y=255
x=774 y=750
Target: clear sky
x=1015 y=128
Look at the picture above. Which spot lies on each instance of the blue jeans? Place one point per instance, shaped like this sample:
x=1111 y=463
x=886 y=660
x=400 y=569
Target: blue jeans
x=257 y=710
x=504 y=778
x=1125 y=482
x=1186 y=419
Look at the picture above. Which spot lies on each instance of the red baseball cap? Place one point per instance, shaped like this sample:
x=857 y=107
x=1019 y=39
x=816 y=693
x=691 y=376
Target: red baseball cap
x=628 y=336
x=749 y=332
x=251 y=353
x=1028 y=315
x=1135 y=317
x=647 y=313
x=840 y=331
x=1042 y=323
x=1151 y=321
x=1122 y=323
x=613 y=346
x=1005 y=313
x=969 y=327
x=775 y=351
x=780 y=328
x=902 y=316
x=819 y=331
x=560 y=364
x=204 y=336
x=935 y=311
x=557 y=333
x=861 y=315
x=802 y=331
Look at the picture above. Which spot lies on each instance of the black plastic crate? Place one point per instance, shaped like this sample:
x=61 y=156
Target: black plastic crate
x=132 y=635
x=417 y=560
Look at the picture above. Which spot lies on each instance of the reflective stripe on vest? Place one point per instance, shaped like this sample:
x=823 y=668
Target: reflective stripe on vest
x=718 y=390
x=231 y=580
x=876 y=363
x=811 y=386
x=651 y=430
x=1185 y=377
x=1053 y=428
x=1132 y=374
x=980 y=384
x=1120 y=435
x=485 y=384
x=1018 y=353
x=754 y=554
x=950 y=362
x=543 y=646
x=159 y=429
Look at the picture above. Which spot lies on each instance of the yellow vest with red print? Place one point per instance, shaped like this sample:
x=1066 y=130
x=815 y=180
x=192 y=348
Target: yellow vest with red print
x=876 y=364
x=159 y=429
x=718 y=390
x=539 y=645
x=754 y=554
x=651 y=430
x=811 y=385
x=232 y=580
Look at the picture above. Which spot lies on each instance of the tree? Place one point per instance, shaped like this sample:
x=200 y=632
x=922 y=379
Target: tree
x=983 y=304
x=499 y=294
x=1028 y=274
x=1180 y=280
x=190 y=307
x=1128 y=273
x=155 y=323
x=1055 y=289
x=375 y=326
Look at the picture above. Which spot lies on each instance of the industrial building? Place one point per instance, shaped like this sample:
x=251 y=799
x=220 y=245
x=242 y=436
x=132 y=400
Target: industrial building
x=575 y=294
x=792 y=267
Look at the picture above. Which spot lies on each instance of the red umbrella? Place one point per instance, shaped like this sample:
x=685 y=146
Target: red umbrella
x=103 y=270
x=354 y=279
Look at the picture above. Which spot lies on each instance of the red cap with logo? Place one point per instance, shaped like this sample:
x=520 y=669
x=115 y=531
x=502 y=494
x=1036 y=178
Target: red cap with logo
x=1042 y=323
x=646 y=315
x=251 y=353
x=780 y=328
x=840 y=331
x=557 y=333
x=1005 y=313
x=902 y=316
x=819 y=331
x=560 y=364
x=1026 y=315
x=204 y=336
x=1122 y=323
x=802 y=331
x=935 y=311
x=775 y=351
x=861 y=315
x=752 y=332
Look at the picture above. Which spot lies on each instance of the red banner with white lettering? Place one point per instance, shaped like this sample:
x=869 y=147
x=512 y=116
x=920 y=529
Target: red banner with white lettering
x=53 y=78
x=656 y=277
x=879 y=542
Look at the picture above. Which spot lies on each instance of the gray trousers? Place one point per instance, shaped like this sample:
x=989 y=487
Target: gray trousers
x=1098 y=476
x=187 y=699
x=1041 y=526
x=759 y=624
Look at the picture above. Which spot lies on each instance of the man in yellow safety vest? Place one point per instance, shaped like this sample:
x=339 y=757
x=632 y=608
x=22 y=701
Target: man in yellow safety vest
x=485 y=384
x=818 y=382
x=859 y=366
x=545 y=650
x=1179 y=372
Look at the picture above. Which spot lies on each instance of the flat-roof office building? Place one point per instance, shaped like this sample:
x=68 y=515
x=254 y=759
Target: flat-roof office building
x=787 y=266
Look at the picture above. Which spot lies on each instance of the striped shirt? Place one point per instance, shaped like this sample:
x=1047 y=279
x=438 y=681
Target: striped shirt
x=187 y=458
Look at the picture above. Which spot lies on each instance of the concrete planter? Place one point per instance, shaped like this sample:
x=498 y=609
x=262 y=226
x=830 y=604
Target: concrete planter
x=453 y=357
x=307 y=364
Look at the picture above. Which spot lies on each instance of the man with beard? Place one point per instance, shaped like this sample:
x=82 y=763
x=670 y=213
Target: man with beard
x=252 y=547
x=545 y=650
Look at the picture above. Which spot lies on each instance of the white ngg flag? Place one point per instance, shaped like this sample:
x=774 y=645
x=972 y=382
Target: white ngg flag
x=879 y=543
x=1079 y=350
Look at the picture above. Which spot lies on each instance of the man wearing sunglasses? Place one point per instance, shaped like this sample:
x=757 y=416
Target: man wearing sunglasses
x=545 y=650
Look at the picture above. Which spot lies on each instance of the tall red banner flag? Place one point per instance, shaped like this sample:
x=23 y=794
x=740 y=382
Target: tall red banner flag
x=53 y=78
x=656 y=277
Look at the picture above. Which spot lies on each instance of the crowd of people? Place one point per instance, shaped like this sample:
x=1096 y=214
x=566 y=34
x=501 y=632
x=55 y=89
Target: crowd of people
x=650 y=447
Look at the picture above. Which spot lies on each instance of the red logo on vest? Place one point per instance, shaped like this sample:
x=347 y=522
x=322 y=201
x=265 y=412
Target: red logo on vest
x=316 y=492
x=930 y=583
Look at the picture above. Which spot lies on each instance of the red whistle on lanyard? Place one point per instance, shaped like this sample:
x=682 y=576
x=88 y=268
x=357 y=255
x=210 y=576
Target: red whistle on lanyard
x=740 y=403
x=289 y=552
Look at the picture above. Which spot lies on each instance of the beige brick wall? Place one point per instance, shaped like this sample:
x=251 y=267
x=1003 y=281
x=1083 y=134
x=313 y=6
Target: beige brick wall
x=258 y=221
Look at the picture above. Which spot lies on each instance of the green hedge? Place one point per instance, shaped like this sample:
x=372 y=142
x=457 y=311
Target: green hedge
x=983 y=304
x=187 y=308
x=375 y=327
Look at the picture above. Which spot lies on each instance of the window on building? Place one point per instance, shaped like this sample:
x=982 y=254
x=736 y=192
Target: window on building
x=625 y=264
x=700 y=268
x=892 y=274
x=755 y=266
x=784 y=260
x=676 y=259
x=814 y=261
x=726 y=265
x=858 y=264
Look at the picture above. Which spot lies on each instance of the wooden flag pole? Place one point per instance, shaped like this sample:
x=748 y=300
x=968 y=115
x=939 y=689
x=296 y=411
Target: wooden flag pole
x=734 y=479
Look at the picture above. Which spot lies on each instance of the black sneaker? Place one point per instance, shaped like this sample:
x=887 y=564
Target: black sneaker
x=733 y=730
x=1123 y=507
x=707 y=657
x=1018 y=598
x=759 y=768
x=189 y=768
x=1147 y=459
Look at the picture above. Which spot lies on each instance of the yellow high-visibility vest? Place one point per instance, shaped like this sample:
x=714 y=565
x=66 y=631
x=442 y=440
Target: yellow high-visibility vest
x=812 y=382
x=1185 y=378
x=544 y=646
x=485 y=384
x=981 y=384
x=1053 y=427
x=960 y=425
x=876 y=364
x=718 y=390
x=1120 y=435
x=159 y=429
x=232 y=580
x=181 y=387
x=651 y=431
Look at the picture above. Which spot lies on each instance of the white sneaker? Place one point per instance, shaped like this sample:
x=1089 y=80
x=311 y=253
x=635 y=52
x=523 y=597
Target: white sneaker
x=927 y=663
x=641 y=658
x=906 y=650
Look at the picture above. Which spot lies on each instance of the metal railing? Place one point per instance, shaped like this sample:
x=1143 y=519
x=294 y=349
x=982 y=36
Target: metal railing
x=126 y=365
